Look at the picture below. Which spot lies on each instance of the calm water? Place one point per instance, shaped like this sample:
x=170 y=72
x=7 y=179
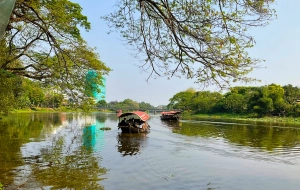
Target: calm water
x=69 y=151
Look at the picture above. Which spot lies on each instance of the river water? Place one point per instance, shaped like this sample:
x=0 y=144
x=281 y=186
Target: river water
x=70 y=151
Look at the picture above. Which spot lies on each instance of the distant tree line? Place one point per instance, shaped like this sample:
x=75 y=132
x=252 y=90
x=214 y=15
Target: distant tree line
x=269 y=100
x=126 y=104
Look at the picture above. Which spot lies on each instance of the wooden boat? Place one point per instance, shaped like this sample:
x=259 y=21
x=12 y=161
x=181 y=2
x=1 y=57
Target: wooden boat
x=170 y=115
x=134 y=122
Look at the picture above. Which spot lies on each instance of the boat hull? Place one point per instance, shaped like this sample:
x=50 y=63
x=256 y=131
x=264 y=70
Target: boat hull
x=169 y=118
x=132 y=129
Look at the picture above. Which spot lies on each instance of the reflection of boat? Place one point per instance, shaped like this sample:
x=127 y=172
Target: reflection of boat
x=170 y=115
x=134 y=122
x=171 y=123
x=130 y=144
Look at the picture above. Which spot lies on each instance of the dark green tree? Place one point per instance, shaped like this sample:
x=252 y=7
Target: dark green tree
x=10 y=86
x=234 y=102
x=182 y=100
x=102 y=104
x=291 y=93
x=204 y=101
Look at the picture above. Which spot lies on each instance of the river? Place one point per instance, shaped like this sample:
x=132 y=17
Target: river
x=70 y=151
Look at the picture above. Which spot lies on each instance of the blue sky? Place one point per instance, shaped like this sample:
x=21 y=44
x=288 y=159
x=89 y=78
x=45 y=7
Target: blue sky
x=278 y=44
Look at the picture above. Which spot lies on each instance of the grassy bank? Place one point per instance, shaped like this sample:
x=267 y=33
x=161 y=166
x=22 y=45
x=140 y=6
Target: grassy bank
x=242 y=117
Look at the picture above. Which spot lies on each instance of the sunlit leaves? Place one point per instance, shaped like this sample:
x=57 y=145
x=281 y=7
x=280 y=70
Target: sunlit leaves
x=44 y=37
x=205 y=40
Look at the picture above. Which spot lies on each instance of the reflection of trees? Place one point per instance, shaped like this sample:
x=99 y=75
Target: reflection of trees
x=265 y=137
x=14 y=131
x=72 y=169
x=130 y=144
x=60 y=166
x=101 y=118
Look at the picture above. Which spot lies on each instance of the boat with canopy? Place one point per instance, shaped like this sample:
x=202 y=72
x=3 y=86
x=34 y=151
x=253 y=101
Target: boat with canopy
x=134 y=122
x=170 y=115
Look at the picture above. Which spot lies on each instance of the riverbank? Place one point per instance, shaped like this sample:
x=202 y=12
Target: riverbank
x=53 y=110
x=242 y=117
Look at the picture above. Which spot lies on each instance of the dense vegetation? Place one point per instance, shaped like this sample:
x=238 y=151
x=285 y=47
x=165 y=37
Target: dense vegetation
x=126 y=104
x=206 y=40
x=43 y=43
x=26 y=93
x=270 y=100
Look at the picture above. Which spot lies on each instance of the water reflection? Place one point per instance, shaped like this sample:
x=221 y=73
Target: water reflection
x=65 y=151
x=130 y=144
x=51 y=150
x=77 y=169
x=264 y=137
x=14 y=132
x=92 y=136
x=172 y=124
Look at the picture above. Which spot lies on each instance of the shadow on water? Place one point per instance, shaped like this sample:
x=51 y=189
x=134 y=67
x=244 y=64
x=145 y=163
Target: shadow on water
x=50 y=151
x=130 y=144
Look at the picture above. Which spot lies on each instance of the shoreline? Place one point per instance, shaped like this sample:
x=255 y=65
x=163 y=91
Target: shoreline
x=244 y=117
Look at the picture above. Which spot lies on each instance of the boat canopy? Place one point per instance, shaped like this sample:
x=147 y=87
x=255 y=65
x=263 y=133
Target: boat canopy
x=142 y=115
x=170 y=112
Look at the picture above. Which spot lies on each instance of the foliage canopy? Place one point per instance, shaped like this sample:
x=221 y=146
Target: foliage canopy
x=43 y=42
x=203 y=39
x=266 y=100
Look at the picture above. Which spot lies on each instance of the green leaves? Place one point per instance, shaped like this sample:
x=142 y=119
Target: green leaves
x=44 y=43
x=264 y=100
x=193 y=36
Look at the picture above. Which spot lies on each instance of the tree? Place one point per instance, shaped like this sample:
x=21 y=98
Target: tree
x=129 y=104
x=145 y=106
x=235 y=103
x=43 y=42
x=291 y=93
x=34 y=92
x=204 y=101
x=102 y=104
x=182 y=100
x=268 y=100
x=264 y=106
x=9 y=91
x=204 y=39
x=276 y=93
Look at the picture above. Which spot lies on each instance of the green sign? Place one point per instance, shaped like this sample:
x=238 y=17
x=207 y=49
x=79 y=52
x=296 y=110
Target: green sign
x=6 y=7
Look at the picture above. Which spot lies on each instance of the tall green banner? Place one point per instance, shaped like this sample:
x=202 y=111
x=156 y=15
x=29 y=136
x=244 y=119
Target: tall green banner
x=6 y=7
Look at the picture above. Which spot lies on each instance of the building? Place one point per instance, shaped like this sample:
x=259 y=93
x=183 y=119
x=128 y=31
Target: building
x=97 y=91
x=102 y=94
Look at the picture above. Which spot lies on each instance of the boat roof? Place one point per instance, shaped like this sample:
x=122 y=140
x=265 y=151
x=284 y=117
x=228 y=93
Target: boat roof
x=142 y=115
x=170 y=112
